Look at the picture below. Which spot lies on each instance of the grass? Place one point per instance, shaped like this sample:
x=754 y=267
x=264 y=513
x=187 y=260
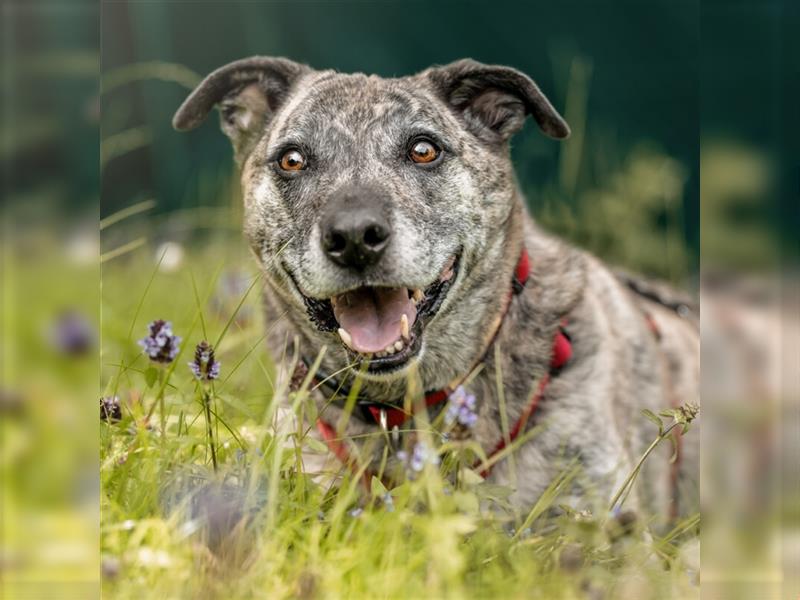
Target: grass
x=262 y=524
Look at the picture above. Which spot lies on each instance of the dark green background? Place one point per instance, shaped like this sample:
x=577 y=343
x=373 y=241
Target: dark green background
x=643 y=83
x=650 y=81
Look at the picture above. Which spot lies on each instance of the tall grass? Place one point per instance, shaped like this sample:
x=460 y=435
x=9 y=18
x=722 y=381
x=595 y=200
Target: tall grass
x=268 y=523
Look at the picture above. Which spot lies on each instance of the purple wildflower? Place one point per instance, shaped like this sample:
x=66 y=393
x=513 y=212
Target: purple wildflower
x=161 y=345
x=461 y=408
x=72 y=334
x=110 y=410
x=204 y=366
x=421 y=455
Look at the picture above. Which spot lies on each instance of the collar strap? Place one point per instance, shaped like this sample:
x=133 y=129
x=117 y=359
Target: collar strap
x=521 y=272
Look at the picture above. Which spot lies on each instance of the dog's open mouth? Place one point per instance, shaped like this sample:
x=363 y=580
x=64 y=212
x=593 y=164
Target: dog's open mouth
x=383 y=324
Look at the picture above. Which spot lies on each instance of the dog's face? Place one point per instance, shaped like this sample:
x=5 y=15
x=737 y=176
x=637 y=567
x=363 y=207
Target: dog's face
x=375 y=206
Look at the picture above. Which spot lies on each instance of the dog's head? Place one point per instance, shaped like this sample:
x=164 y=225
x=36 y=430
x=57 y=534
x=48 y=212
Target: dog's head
x=378 y=208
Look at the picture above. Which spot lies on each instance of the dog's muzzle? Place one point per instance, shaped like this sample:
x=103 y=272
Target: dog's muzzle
x=383 y=325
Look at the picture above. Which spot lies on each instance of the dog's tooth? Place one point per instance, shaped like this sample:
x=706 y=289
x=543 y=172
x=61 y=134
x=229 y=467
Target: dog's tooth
x=404 y=327
x=380 y=354
x=389 y=349
x=348 y=341
x=398 y=345
x=417 y=295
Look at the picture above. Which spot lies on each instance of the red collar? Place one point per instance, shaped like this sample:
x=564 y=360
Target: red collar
x=394 y=417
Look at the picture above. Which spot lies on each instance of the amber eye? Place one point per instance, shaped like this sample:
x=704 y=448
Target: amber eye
x=292 y=160
x=423 y=151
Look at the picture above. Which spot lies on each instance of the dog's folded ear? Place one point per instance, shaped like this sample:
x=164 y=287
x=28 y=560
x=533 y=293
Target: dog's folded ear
x=494 y=100
x=247 y=91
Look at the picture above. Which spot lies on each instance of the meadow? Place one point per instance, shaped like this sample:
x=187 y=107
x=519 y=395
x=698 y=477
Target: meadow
x=205 y=495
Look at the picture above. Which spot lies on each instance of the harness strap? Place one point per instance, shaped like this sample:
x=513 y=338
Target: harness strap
x=561 y=353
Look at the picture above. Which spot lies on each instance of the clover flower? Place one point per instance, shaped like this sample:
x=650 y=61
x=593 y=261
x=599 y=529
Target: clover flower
x=461 y=408
x=204 y=366
x=161 y=345
x=110 y=410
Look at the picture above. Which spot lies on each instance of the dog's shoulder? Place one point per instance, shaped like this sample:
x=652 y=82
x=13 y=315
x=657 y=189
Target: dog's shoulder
x=558 y=270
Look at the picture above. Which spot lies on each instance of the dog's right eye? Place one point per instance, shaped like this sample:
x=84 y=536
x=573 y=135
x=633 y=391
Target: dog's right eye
x=423 y=151
x=292 y=160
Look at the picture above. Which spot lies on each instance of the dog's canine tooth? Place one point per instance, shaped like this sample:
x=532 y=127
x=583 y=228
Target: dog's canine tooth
x=398 y=345
x=348 y=341
x=404 y=326
x=417 y=295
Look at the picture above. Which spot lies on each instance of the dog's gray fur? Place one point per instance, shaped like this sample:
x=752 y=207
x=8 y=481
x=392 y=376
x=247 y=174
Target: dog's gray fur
x=354 y=129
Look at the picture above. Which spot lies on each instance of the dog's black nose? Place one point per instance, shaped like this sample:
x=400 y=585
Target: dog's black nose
x=355 y=239
x=355 y=229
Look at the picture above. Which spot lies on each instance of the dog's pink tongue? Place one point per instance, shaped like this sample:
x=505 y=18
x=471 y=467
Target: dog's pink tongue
x=372 y=316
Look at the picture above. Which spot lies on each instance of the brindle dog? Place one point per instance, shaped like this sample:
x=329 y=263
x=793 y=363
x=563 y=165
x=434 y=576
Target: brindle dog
x=388 y=223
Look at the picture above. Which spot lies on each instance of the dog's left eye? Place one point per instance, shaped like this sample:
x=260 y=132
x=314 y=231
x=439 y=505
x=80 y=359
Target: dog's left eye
x=292 y=160
x=424 y=151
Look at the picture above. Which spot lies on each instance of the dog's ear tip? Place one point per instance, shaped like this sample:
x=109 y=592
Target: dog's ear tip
x=558 y=130
x=180 y=122
x=187 y=116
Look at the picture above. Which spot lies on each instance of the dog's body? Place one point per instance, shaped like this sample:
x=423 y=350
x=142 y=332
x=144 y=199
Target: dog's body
x=386 y=210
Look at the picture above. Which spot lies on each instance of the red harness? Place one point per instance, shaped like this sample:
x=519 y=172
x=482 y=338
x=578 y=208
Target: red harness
x=390 y=416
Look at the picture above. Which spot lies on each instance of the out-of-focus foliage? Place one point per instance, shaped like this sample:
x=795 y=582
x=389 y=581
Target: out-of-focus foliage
x=49 y=317
x=623 y=185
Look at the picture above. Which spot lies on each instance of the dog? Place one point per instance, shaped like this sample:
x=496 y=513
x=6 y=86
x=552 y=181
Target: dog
x=396 y=246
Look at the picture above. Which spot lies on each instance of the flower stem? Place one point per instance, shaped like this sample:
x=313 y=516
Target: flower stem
x=163 y=415
x=627 y=485
x=209 y=427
